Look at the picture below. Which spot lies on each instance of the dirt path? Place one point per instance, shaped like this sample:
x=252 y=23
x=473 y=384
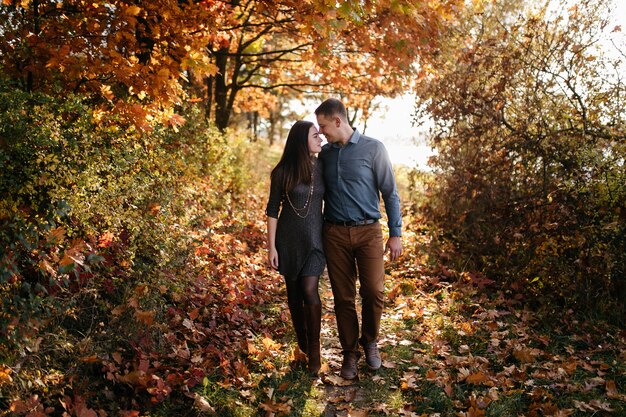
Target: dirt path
x=335 y=396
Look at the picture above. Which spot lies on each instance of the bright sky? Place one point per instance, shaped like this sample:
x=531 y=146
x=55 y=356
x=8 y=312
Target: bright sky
x=393 y=126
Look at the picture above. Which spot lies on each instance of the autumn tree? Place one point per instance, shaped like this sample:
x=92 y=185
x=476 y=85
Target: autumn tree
x=236 y=56
x=295 y=50
x=129 y=56
x=528 y=109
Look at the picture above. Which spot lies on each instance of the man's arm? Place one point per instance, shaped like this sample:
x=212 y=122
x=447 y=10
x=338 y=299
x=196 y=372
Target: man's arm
x=386 y=183
x=388 y=189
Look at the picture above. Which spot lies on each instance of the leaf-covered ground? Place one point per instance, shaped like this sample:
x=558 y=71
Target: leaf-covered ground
x=455 y=357
x=218 y=341
x=452 y=345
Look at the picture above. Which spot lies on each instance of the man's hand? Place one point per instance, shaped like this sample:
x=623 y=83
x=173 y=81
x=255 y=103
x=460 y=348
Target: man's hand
x=394 y=247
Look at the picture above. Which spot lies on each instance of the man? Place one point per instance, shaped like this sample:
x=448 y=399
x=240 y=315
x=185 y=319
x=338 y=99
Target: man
x=357 y=171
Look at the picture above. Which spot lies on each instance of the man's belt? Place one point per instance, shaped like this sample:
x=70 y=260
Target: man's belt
x=352 y=223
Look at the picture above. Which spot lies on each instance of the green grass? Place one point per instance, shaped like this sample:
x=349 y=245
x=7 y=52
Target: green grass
x=509 y=405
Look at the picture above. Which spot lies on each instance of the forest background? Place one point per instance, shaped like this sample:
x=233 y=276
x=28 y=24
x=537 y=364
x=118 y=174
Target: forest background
x=136 y=140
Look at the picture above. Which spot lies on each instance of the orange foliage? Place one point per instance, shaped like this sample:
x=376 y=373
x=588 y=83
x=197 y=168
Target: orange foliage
x=140 y=58
x=124 y=54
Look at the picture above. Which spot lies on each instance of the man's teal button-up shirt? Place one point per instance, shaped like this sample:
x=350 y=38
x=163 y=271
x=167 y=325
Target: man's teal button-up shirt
x=356 y=175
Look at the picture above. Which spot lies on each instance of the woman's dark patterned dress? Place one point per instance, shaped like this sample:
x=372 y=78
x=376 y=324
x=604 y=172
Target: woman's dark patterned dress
x=299 y=232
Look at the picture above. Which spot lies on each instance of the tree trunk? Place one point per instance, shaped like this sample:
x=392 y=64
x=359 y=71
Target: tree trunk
x=36 y=30
x=253 y=123
x=209 y=100
x=222 y=112
x=272 y=129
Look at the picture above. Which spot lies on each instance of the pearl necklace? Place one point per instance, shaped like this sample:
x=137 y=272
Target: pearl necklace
x=307 y=204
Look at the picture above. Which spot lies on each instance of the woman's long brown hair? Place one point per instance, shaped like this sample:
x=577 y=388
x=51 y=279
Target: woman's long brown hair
x=295 y=166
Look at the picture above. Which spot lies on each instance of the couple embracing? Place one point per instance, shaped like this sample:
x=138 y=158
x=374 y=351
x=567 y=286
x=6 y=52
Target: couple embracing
x=349 y=175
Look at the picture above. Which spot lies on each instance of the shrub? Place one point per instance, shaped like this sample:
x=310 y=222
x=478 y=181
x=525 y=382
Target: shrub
x=92 y=208
x=529 y=132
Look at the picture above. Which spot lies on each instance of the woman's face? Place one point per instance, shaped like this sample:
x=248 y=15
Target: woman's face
x=315 y=142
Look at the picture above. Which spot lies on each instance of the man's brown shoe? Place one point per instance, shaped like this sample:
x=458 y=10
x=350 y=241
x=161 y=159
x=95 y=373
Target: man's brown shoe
x=348 y=367
x=372 y=355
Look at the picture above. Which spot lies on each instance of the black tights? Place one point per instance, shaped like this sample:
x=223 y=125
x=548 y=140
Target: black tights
x=303 y=290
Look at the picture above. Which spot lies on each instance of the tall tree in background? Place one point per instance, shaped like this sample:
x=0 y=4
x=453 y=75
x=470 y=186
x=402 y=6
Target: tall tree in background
x=258 y=42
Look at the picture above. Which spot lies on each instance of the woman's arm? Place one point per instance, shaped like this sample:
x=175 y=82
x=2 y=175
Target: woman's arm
x=272 y=253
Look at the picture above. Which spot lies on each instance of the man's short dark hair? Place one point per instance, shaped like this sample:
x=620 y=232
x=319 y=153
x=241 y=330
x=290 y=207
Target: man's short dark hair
x=332 y=107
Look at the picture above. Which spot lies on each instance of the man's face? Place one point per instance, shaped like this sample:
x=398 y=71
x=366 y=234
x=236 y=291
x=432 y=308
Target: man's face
x=329 y=127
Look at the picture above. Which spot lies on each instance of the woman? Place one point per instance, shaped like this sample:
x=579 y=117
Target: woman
x=294 y=237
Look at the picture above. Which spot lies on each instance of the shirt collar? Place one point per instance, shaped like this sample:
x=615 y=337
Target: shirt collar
x=356 y=136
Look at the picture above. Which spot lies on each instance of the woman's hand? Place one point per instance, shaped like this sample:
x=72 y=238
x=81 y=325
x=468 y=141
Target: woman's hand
x=272 y=257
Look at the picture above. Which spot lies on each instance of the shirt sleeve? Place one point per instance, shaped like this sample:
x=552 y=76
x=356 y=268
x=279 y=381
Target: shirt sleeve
x=387 y=185
x=274 y=200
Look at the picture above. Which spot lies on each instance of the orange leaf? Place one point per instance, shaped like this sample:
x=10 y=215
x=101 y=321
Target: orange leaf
x=176 y=120
x=611 y=391
x=145 y=317
x=274 y=407
x=56 y=235
x=82 y=410
x=525 y=355
x=132 y=10
x=252 y=350
x=475 y=412
x=5 y=375
x=74 y=254
x=298 y=355
x=44 y=265
x=193 y=314
x=106 y=92
x=135 y=378
x=336 y=380
x=270 y=344
x=154 y=208
x=105 y=240
x=241 y=370
x=117 y=357
x=570 y=366
x=118 y=310
x=19 y=406
x=477 y=378
x=431 y=375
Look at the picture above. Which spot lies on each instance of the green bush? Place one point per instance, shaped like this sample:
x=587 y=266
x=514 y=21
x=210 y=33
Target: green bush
x=91 y=207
